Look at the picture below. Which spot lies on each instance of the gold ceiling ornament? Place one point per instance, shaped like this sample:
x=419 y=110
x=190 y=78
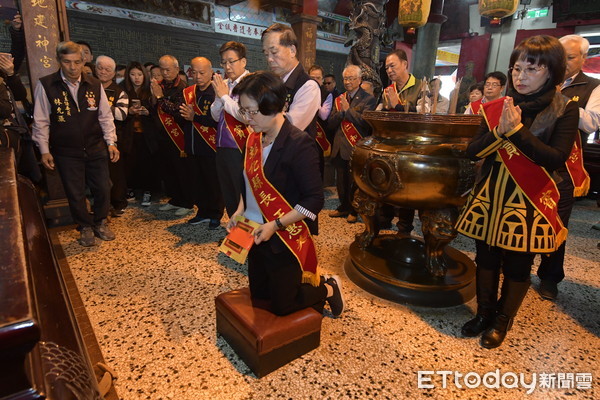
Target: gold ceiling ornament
x=497 y=9
x=413 y=14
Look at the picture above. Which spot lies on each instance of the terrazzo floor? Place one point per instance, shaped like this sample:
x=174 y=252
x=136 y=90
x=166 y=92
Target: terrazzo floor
x=150 y=298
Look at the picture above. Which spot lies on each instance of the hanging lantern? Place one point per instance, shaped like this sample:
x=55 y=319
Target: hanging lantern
x=413 y=14
x=497 y=9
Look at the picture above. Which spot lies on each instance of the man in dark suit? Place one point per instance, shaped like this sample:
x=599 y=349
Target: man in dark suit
x=349 y=126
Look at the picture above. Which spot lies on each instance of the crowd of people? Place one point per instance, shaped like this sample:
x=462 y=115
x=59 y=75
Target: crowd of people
x=253 y=144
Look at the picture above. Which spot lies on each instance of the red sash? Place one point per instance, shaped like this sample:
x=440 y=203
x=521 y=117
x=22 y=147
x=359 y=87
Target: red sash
x=322 y=140
x=237 y=129
x=273 y=205
x=532 y=179
x=580 y=177
x=209 y=134
x=350 y=132
x=173 y=130
x=475 y=105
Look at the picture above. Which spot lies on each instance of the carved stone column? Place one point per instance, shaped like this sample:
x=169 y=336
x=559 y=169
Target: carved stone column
x=367 y=24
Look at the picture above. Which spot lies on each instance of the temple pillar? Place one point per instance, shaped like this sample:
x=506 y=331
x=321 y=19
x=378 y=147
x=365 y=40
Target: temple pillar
x=305 y=25
x=45 y=24
x=428 y=39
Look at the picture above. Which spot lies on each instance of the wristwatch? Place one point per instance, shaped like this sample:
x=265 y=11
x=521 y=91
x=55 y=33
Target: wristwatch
x=111 y=144
x=280 y=226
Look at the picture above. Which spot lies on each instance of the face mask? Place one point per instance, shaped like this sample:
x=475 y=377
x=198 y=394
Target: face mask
x=119 y=80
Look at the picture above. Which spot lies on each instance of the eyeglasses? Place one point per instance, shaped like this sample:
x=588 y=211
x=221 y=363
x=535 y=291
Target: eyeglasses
x=528 y=71
x=350 y=78
x=492 y=84
x=225 y=63
x=246 y=112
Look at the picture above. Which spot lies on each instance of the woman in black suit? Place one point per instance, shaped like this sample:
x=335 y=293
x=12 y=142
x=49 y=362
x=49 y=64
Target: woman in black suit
x=283 y=187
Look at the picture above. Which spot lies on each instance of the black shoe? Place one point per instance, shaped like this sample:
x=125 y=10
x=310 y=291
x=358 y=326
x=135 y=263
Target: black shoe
x=116 y=212
x=86 y=238
x=214 y=224
x=197 y=220
x=103 y=231
x=476 y=326
x=336 y=300
x=495 y=335
x=548 y=290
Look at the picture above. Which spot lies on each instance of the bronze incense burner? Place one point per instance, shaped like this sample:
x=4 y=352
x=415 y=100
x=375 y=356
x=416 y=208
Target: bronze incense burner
x=415 y=161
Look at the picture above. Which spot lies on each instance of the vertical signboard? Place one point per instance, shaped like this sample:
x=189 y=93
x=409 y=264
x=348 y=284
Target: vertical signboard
x=42 y=35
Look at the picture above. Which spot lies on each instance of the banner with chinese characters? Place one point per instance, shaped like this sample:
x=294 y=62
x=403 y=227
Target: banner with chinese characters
x=42 y=35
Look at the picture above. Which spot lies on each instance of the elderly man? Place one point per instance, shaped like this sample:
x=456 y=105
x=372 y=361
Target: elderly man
x=119 y=104
x=280 y=48
x=74 y=130
x=346 y=119
x=493 y=86
x=201 y=144
x=575 y=181
x=169 y=97
x=232 y=129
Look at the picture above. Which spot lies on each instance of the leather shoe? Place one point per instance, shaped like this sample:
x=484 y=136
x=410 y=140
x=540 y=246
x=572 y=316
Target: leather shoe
x=336 y=301
x=548 y=289
x=86 y=238
x=495 y=335
x=476 y=326
x=338 y=214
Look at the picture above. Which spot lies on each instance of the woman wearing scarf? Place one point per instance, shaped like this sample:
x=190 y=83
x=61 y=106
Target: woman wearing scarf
x=283 y=193
x=512 y=212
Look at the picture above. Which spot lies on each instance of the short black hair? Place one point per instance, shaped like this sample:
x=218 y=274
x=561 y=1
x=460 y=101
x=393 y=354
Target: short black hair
x=287 y=38
x=120 y=67
x=154 y=66
x=238 y=47
x=401 y=54
x=545 y=51
x=332 y=76
x=476 y=86
x=266 y=88
x=149 y=63
x=82 y=43
x=496 y=74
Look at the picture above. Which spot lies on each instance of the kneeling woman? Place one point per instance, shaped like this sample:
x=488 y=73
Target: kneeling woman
x=283 y=187
x=512 y=212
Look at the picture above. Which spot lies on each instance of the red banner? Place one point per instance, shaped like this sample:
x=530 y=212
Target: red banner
x=208 y=133
x=580 y=177
x=237 y=129
x=173 y=130
x=350 y=132
x=322 y=140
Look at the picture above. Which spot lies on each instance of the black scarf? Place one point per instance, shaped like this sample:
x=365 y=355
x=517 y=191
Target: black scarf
x=531 y=105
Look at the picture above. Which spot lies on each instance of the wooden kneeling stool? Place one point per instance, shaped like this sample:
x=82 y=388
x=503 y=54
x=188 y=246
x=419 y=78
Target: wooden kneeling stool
x=263 y=340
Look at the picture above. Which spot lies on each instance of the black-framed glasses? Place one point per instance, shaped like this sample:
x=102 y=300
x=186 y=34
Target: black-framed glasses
x=227 y=62
x=246 y=112
x=350 y=78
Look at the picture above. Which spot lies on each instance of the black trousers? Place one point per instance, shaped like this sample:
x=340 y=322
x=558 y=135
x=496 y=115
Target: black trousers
x=144 y=172
x=76 y=173
x=176 y=175
x=515 y=266
x=344 y=183
x=118 y=177
x=230 y=166
x=405 y=216
x=552 y=265
x=207 y=192
x=278 y=278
